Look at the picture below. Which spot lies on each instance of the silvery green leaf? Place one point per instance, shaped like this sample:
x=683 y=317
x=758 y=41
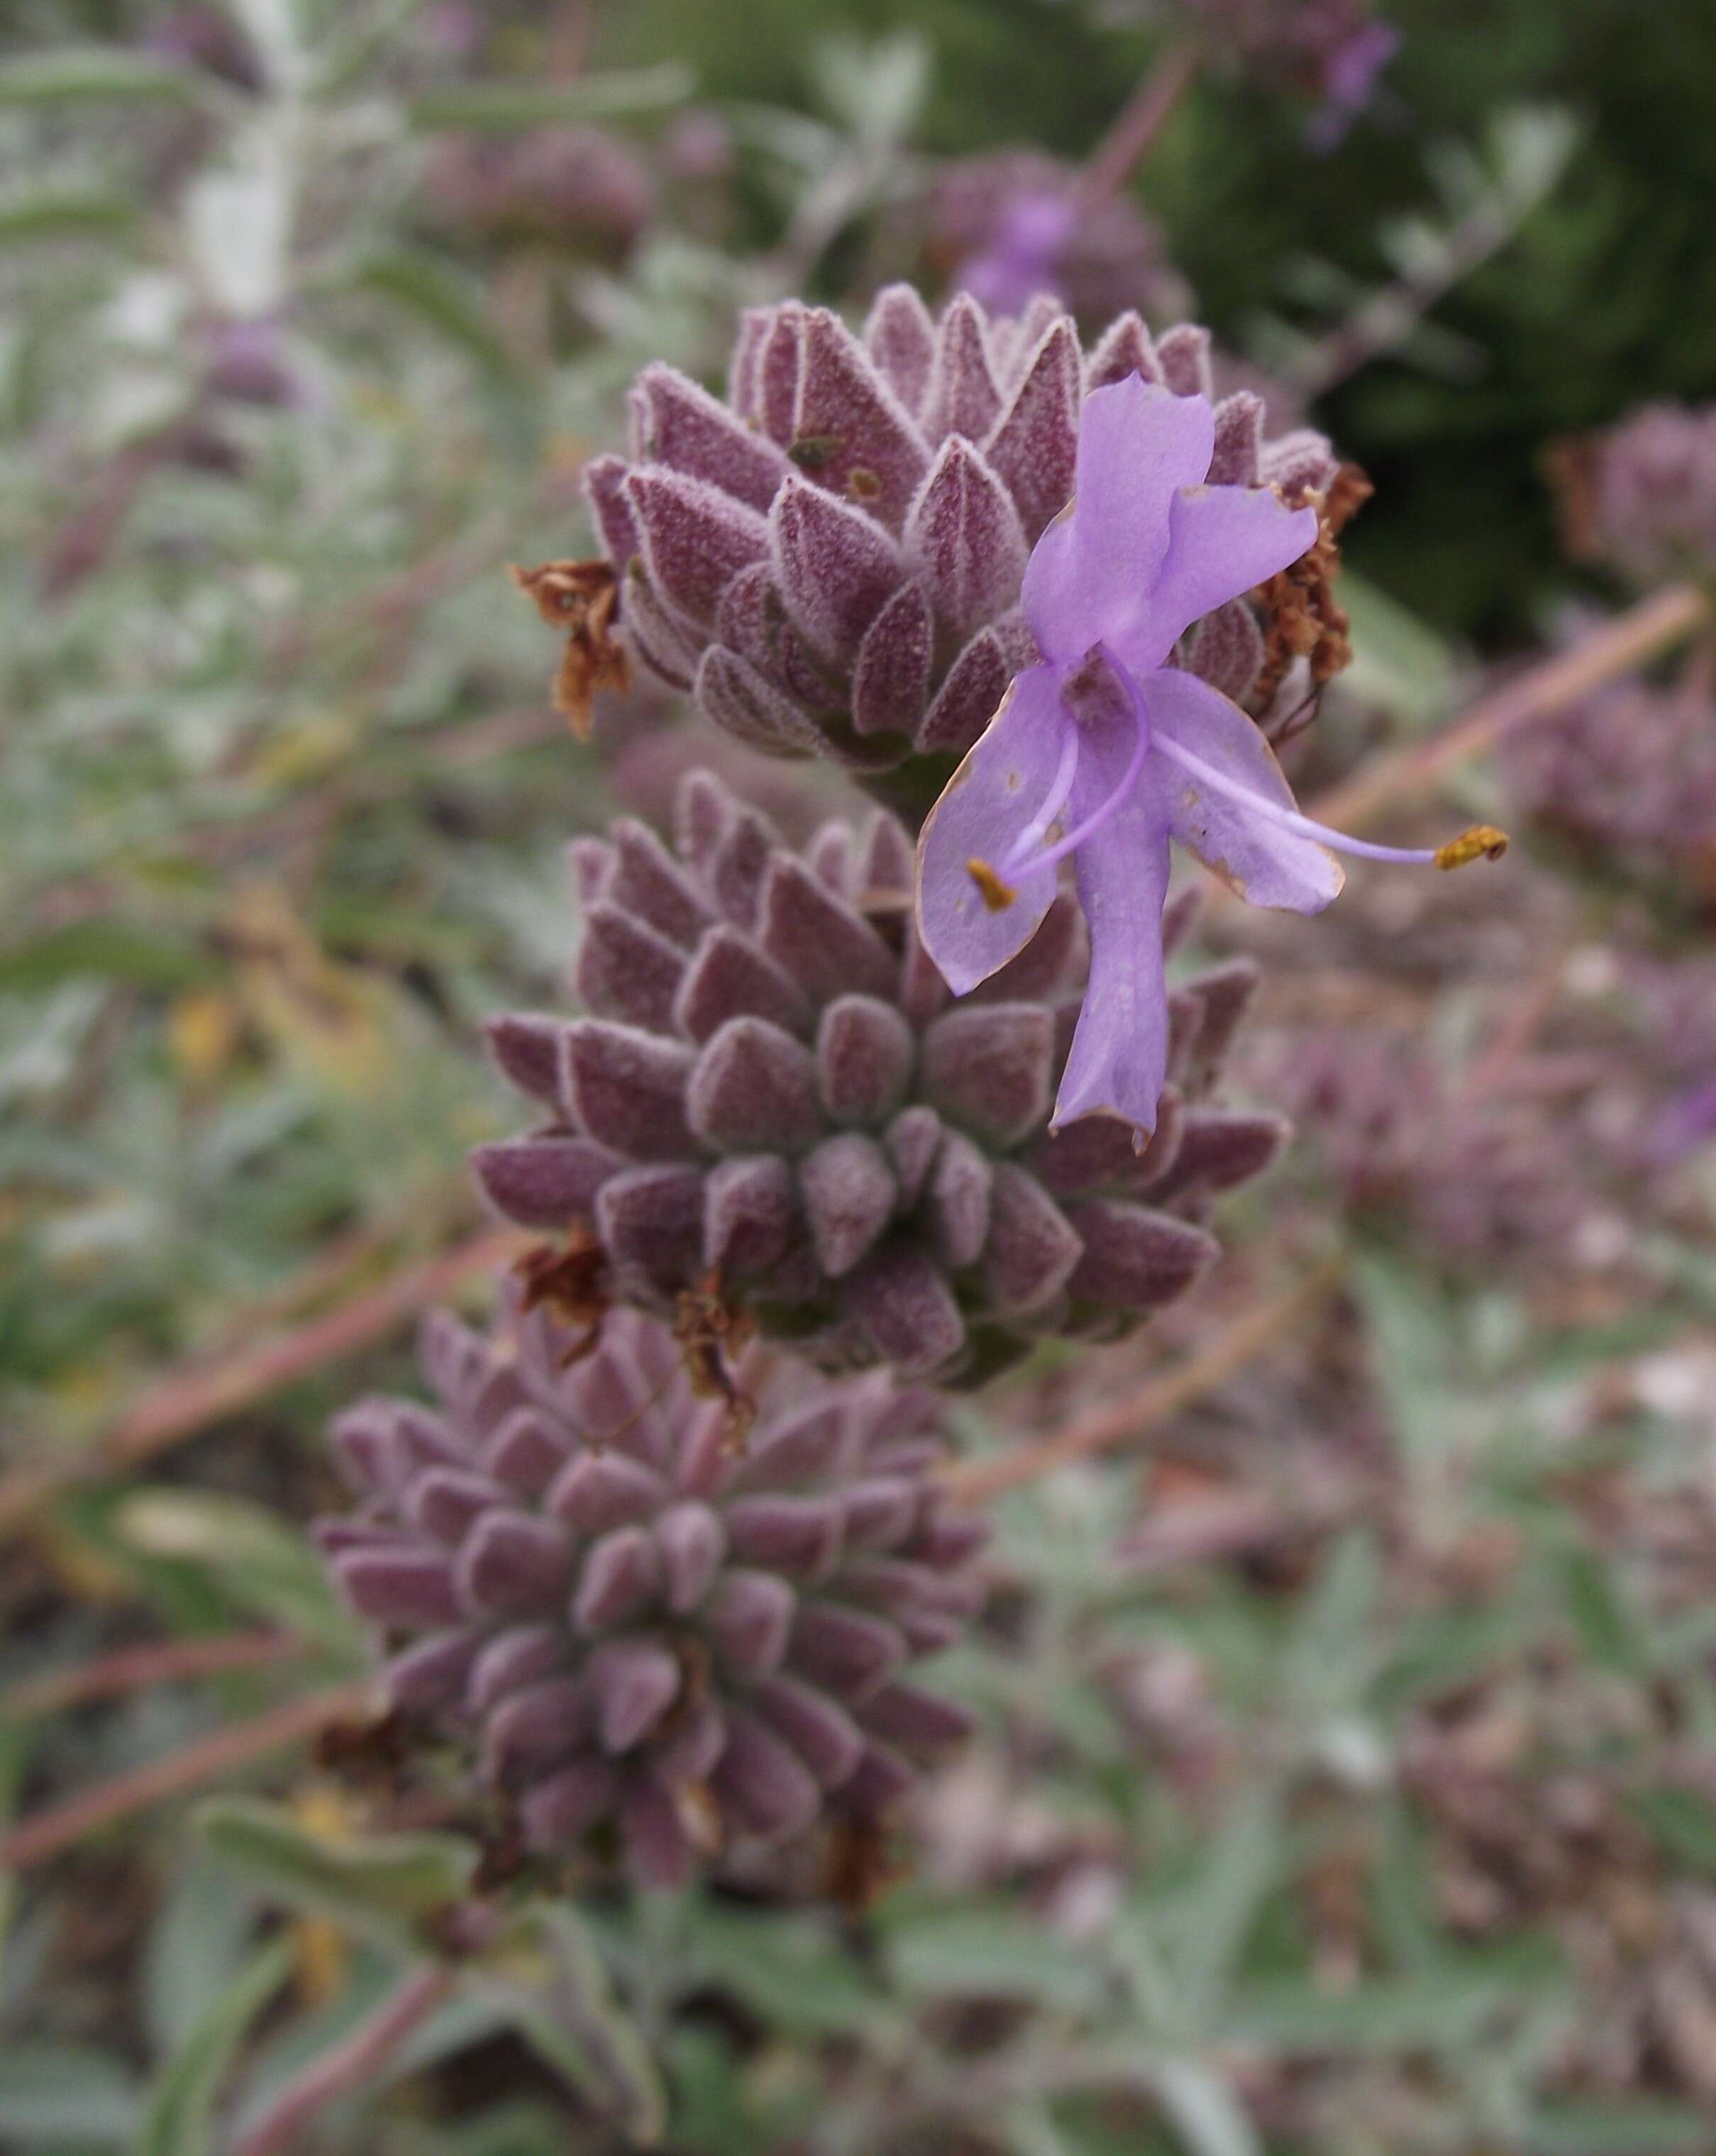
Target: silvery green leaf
x=876 y=90
x=64 y=210
x=499 y=107
x=1205 y=2113
x=381 y=1885
x=182 y=2101
x=237 y=221
x=194 y=1947
x=580 y=2028
x=438 y=295
x=262 y=1563
x=73 y=73
x=64 y=2096
x=980 y=1953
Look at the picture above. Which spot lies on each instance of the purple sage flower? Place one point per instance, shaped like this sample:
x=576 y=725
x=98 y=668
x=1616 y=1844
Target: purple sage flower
x=1022 y=256
x=1105 y=751
x=1349 y=80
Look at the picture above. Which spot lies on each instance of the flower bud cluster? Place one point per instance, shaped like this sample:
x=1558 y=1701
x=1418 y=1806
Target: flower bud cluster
x=774 y=1084
x=652 y=1642
x=831 y=560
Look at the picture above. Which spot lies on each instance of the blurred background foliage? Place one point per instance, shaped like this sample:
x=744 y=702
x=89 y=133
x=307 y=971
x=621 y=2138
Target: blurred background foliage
x=1360 y=1797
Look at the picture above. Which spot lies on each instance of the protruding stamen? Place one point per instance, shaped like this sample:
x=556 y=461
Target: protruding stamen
x=1481 y=838
x=1482 y=842
x=997 y=896
x=1054 y=801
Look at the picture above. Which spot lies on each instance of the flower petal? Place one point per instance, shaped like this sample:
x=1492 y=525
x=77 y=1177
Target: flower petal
x=1264 y=864
x=1221 y=542
x=988 y=802
x=1118 y=1060
x=1137 y=445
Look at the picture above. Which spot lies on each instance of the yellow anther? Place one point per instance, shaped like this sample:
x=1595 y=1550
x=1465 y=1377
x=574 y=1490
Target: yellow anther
x=997 y=896
x=1483 y=841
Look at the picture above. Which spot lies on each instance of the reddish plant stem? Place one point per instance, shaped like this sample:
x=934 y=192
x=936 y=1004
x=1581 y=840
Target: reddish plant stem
x=129 y=1669
x=1226 y=1351
x=191 y=1767
x=349 y=2065
x=1139 y=121
x=1630 y=639
x=189 y=1400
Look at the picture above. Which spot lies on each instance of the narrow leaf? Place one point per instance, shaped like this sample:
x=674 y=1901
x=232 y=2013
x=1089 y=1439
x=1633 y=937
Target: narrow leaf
x=381 y=1884
x=500 y=106
x=181 y=2103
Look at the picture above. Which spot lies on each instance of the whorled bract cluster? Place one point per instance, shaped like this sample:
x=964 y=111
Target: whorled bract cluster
x=832 y=559
x=1642 y=495
x=774 y=1083
x=653 y=1640
x=1628 y=773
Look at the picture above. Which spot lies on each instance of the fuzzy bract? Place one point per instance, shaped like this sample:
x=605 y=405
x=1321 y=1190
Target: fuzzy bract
x=773 y=1084
x=831 y=560
x=655 y=1644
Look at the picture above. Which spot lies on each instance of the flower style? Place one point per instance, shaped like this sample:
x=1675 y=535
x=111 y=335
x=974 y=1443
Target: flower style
x=1105 y=751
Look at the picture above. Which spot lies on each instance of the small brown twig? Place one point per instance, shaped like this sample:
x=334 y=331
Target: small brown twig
x=222 y=1752
x=158 y=1661
x=1629 y=640
x=348 y=2066
x=1228 y=1350
x=187 y=1400
x=1138 y=123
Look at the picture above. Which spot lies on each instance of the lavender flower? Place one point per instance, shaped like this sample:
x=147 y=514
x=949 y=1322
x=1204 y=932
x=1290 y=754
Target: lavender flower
x=1626 y=778
x=635 y=1627
x=831 y=560
x=1349 y=80
x=1108 y=744
x=1334 y=49
x=1023 y=254
x=1642 y=495
x=772 y=1083
x=1011 y=224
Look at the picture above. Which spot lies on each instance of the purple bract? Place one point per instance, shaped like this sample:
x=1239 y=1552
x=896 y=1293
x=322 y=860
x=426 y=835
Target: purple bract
x=635 y=1627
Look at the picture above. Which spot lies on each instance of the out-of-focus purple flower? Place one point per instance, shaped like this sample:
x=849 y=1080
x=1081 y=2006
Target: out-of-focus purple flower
x=1332 y=50
x=1625 y=778
x=207 y=37
x=248 y=362
x=1010 y=224
x=1686 y=1125
x=1103 y=752
x=1023 y=255
x=1349 y=82
x=1640 y=495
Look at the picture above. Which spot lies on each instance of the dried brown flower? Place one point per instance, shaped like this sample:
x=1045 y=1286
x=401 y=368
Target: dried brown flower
x=583 y=598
